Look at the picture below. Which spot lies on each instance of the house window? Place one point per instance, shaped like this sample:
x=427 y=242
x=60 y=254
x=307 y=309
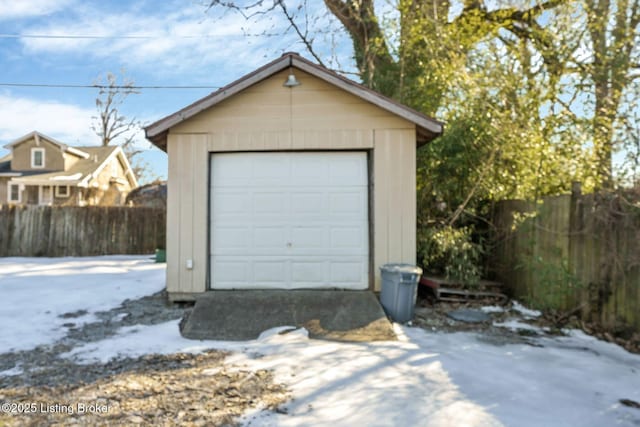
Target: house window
x=114 y=167
x=15 y=195
x=62 y=191
x=37 y=157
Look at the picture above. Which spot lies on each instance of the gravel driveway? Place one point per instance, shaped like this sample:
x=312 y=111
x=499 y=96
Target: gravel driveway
x=44 y=388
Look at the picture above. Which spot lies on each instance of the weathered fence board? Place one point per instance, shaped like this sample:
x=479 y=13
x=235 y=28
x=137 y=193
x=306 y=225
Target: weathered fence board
x=55 y=231
x=573 y=251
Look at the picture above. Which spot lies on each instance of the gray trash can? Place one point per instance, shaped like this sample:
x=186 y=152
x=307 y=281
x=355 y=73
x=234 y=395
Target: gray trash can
x=399 y=290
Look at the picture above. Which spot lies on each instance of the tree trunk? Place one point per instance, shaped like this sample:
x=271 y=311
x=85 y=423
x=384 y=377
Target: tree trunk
x=612 y=60
x=373 y=59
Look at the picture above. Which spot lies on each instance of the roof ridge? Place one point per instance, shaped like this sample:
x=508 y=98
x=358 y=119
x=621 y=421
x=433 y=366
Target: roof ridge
x=427 y=127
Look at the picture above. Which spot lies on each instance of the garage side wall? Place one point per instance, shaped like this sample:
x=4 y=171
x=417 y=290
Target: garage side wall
x=187 y=200
x=270 y=117
x=394 y=198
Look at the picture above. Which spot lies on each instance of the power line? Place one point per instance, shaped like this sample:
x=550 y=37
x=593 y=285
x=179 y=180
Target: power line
x=72 y=86
x=143 y=37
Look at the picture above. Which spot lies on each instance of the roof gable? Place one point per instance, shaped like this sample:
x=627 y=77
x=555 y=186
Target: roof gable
x=105 y=154
x=427 y=128
x=82 y=172
x=40 y=136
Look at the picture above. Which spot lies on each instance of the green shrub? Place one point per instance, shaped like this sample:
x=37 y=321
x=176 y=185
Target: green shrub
x=450 y=251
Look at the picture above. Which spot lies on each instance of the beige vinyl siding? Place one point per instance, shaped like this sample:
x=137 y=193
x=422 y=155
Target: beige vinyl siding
x=21 y=158
x=70 y=160
x=187 y=213
x=116 y=165
x=106 y=191
x=394 y=195
x=312 y=106
x=288 y=140
x=270 y=117
x=105 y=176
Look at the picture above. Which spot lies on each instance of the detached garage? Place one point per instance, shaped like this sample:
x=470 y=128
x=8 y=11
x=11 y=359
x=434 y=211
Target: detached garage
x=291 y=177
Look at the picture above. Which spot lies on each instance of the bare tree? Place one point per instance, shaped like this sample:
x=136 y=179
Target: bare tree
x=110 y=124
x=113 y=127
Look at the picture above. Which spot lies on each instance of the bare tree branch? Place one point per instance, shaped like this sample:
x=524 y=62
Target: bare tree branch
x=303 y=37
x=488 y=165
x=109 y=124
x=243 y=10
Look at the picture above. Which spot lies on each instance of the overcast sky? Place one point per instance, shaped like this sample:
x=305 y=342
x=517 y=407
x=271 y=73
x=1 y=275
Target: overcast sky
x=158 y=43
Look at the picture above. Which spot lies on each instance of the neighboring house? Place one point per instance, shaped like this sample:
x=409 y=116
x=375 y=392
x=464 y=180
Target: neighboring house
x=290 y=177
x=42 y=171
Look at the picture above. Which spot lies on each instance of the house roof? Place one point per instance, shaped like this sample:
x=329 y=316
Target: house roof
x=427 y=127
x=38 y=135
x=78 y=174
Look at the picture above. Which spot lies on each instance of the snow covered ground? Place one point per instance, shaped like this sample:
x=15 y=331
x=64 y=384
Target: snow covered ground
x=36 y=291
x=424 y=379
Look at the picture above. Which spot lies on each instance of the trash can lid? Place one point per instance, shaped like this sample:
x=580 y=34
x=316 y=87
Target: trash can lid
x=401 y=268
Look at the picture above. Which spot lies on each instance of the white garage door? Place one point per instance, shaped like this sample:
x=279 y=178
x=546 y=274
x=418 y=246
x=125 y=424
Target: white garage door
x=289 y=220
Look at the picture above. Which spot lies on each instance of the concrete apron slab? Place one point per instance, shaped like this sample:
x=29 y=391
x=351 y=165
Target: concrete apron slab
x=353 y=316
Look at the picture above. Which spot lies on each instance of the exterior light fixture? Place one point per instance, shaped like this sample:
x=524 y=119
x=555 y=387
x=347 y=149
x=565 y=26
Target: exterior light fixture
x=291 y=81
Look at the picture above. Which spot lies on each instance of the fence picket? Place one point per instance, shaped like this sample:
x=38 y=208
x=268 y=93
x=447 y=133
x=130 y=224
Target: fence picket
x=56 y=231
x=578 y=251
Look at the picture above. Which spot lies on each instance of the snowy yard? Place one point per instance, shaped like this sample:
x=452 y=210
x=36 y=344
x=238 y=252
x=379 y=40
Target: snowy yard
x=425 y=379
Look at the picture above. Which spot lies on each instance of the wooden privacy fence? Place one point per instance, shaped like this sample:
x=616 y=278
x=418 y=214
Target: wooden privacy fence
x=573 y=252
x=55 y=231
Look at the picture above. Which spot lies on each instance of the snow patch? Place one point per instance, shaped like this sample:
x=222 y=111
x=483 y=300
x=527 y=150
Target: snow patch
x=119 y=317
x=16 y=370
x=37 y=291
x=526 y=312
x=73 y=177
x=492 y=309
x=516 y=325
x=276 y=331
x=422 y=379
x=138 y=340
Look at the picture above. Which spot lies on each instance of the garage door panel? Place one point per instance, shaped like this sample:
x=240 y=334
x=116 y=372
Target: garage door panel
x=270 y=171
x=269 y=203
x=347 y=272
x=347 y=203
x=232 y=172
x=234 y=272
x=289 y=273
x=347 y=170
x=273 y=238
x=309 y=273
x=347 y=237
x=308 y=238
x=312 y=172
x=308 y=203
x=290 y=220
x=231 y=238
x=231 y=203
x=272 y=272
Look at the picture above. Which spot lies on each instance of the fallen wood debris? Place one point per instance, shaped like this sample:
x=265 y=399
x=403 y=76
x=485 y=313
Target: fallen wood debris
x=452 y=291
